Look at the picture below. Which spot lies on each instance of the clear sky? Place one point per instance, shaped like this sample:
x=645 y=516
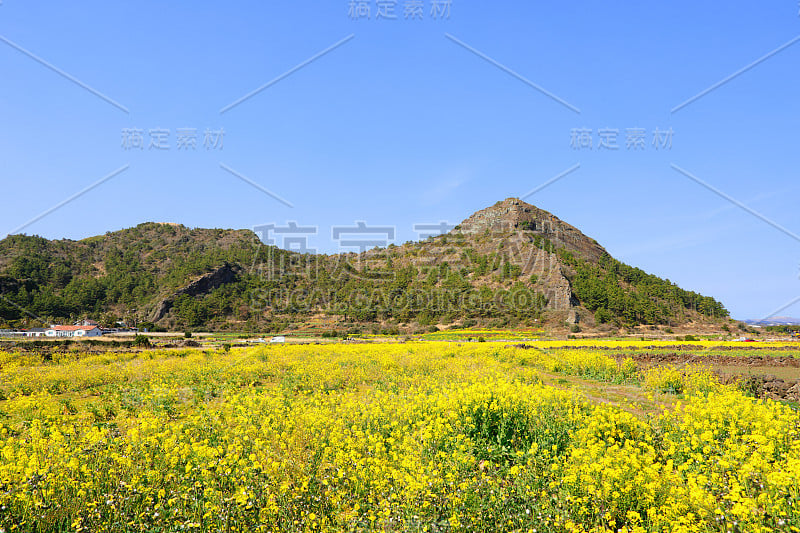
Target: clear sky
x=417 y=119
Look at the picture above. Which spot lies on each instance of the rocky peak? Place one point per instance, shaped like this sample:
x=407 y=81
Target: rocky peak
x=512 y=216
x=504 y=216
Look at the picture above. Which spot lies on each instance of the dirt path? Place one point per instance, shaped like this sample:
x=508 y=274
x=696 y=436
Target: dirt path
x=631 y=398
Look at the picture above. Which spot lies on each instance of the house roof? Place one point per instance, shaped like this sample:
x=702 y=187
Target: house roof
x=74 y=328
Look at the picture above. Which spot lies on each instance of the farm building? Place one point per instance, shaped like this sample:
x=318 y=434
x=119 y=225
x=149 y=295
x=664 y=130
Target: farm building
x=74 y=331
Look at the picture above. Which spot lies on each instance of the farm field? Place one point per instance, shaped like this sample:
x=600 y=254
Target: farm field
x=485 y=334
x=418 y=436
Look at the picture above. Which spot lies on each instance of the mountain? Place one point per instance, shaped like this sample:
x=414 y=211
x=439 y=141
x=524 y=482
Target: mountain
x=120 y=275
x=511 y=264
x=774 y=321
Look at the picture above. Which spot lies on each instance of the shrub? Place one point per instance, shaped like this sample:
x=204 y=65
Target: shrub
x=142 y=341
x=602 y=315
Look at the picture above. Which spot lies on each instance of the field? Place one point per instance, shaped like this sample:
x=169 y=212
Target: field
x=484 y=334
x=418 y=436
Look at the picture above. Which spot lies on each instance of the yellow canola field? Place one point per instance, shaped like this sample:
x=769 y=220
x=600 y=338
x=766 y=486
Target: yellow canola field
x=638 y=343
x=391 y=437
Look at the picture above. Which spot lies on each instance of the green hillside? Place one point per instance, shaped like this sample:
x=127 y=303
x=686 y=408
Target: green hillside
x=508 y=265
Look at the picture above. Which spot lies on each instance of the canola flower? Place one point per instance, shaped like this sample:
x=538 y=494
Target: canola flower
x=405 y=437
x=651 y=343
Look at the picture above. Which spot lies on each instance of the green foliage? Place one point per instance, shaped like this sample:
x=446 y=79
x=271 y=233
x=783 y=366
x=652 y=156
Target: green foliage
x=633 y=295
x=142 y=341
x=786 y=329
x=602 y=315
x=64 y=279
x=151 y=327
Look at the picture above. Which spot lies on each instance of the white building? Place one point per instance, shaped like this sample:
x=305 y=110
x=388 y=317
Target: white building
x=73 y=331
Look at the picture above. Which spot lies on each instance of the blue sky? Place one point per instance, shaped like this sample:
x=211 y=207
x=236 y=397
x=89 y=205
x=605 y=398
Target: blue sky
x=401 y=124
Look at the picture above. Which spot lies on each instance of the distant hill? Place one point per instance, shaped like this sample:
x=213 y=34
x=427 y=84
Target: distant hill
x=774 y=321
x=510 y=264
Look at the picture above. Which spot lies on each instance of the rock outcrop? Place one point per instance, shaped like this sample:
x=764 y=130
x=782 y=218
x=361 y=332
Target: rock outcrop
x=520 y=232
x=227 y=273
x=512 y=214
